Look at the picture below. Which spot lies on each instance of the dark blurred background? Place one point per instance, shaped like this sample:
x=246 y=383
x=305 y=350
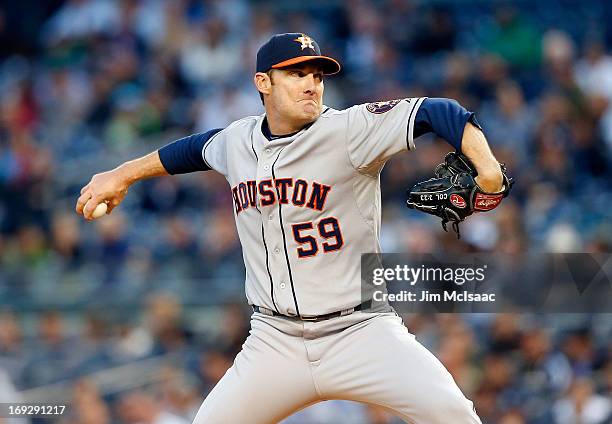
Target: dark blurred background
x=133 y=318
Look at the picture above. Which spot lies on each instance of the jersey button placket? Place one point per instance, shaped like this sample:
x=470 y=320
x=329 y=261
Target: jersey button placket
x=277 y=263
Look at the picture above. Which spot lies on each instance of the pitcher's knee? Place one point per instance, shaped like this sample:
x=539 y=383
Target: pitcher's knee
x=454 y=407
x=448 y=406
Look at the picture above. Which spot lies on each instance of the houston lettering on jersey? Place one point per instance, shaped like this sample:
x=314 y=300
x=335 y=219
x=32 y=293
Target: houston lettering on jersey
x=283 y=190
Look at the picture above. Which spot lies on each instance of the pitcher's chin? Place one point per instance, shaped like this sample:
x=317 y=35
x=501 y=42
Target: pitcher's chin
x=311 y=110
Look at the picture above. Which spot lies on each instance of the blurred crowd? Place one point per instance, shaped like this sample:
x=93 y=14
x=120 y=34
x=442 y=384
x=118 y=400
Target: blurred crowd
x=87 y=84
x=155 y=368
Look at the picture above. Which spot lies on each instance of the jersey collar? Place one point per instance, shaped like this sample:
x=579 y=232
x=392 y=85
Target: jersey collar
x=265 y=129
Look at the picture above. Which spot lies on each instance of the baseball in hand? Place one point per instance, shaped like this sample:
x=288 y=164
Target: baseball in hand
x=99 y=211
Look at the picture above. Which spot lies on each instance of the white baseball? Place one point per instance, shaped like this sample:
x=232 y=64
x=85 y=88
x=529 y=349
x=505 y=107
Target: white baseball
x=100 y=210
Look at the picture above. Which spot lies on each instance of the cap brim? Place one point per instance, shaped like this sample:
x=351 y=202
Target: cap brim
x=330 y=65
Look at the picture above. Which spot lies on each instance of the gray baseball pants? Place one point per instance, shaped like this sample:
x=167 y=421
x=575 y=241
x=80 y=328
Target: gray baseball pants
x=286 y=365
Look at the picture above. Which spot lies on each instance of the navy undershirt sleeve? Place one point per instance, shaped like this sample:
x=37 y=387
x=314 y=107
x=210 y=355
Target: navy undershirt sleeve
x=444 y=117
x=185 y=154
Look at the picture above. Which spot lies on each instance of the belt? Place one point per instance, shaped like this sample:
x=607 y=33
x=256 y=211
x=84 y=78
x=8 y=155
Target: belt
x=313 y=318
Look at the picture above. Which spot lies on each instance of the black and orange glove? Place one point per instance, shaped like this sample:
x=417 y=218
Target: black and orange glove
x=453 y=193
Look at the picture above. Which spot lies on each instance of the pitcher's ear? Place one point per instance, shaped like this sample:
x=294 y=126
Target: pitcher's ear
x=262 y=82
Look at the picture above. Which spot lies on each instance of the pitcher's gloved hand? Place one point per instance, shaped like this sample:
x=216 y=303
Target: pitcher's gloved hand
x=453 y=193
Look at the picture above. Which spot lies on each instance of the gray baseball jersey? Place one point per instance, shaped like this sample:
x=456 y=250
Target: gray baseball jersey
x=308 y=205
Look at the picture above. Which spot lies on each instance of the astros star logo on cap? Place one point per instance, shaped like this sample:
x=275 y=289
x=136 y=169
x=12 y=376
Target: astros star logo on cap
x=306 y=41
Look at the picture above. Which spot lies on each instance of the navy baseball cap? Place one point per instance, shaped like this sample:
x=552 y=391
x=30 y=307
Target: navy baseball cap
x=288 y=49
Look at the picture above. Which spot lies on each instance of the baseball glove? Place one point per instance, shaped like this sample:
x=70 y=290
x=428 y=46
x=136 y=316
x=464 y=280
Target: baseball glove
x=453 y=193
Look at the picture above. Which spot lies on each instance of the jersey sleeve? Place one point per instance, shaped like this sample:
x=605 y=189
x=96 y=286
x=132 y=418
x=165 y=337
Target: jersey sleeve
x=184 y=155
x=377 y=131
x=214 y=152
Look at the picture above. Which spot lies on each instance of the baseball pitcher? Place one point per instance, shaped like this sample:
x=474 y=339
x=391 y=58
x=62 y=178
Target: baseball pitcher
x=305 y=183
